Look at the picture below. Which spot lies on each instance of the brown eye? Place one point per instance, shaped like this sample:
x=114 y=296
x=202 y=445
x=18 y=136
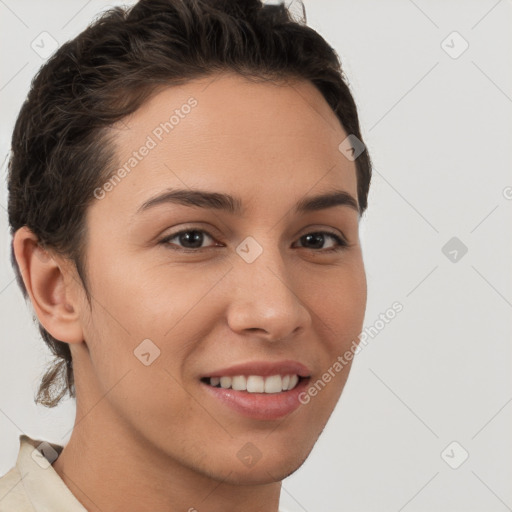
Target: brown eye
x=188 y=239
x=316 y=240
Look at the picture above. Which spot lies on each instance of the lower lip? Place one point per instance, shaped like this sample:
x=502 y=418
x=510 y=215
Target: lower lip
x=260 y=406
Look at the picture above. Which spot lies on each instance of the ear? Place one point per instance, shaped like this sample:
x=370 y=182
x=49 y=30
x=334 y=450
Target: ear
x=51 y=287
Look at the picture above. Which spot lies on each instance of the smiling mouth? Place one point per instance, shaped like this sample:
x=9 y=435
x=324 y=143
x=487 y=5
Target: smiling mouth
x=256 y=383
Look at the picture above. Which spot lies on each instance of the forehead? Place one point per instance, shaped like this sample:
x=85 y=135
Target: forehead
x=226 y=133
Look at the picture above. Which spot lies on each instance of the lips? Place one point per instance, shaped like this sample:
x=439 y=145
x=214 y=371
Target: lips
x=259 y=390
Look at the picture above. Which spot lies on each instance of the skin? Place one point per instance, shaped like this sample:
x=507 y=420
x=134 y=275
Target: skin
x=149 y=437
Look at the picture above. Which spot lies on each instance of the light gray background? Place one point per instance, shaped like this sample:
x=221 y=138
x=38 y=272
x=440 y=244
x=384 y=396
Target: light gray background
x=439 y=130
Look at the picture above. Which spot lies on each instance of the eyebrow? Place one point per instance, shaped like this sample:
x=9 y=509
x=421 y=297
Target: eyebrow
x=234 y=205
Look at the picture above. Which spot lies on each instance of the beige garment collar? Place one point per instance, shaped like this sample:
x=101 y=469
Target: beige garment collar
x=44 y=487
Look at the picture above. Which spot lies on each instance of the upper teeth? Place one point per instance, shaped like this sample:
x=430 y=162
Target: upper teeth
x=256 y=383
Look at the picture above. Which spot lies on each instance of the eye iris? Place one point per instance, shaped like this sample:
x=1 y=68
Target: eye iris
x=196 y=240
x=317 y=238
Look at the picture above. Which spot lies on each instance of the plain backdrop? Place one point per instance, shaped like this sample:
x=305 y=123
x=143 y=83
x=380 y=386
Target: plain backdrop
x=424 y=421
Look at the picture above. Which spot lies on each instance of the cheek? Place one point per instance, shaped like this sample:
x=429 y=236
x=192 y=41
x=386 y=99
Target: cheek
x=158 y=302
x=340 y=308
x=145 y=300
x=340 y=311
x=339 y=302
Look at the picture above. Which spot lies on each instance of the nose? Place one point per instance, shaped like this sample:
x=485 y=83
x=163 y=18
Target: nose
x=264 y=300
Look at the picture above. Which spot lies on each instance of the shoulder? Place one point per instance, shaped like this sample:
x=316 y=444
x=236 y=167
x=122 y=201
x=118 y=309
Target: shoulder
x=33 y=484
x=13 y=497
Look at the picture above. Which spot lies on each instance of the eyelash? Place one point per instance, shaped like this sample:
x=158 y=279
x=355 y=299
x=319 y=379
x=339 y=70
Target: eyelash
x=341 y=243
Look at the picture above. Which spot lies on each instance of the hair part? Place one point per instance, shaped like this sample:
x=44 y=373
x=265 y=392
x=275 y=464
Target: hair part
x=62 y=149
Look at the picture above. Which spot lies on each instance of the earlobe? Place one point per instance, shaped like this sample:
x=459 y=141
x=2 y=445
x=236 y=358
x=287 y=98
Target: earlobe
x=44 y=276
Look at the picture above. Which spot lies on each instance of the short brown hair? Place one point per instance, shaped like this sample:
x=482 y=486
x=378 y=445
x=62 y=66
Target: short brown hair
x=60 y=152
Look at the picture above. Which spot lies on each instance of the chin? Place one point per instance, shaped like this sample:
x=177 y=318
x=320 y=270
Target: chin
x=263 y=473
x=269 y=463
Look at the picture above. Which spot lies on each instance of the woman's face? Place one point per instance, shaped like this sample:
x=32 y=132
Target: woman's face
x=242 y=292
